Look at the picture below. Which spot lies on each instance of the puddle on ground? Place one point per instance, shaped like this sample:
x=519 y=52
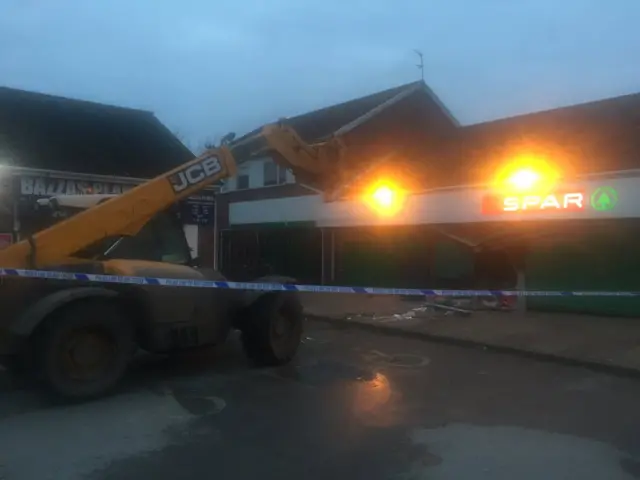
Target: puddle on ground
x=323 y=373
x=199 y=404
x=400 y=360
x=463 y=452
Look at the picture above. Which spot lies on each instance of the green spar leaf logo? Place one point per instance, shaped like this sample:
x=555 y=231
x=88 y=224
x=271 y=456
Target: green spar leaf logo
x=604 y=199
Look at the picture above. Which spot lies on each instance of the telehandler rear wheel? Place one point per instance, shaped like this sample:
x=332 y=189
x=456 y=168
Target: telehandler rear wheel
x=83 y=350
x=272 y=329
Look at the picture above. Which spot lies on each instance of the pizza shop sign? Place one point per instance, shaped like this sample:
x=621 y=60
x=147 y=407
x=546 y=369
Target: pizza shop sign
x=196 y=210
x=34 y=186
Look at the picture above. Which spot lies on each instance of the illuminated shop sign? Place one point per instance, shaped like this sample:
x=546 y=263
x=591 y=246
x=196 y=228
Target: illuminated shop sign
x=604 y=199
x=571 y=201
x=601 y=199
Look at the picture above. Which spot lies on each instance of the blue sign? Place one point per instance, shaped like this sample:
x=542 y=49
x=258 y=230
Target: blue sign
x=198 y=210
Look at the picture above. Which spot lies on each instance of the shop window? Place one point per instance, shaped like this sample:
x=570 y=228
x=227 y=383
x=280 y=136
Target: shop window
x=242 y=181
x=282 y=175
x=274 y=174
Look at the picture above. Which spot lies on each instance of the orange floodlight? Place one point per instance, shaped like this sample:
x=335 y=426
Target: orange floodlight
x=385 y=198
x=527 y=174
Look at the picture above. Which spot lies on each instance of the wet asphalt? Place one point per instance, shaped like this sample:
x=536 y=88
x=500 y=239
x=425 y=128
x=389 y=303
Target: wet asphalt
x=355 y=405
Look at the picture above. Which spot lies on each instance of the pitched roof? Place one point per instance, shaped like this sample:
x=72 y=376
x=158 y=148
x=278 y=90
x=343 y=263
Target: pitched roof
x=51 y=132
x=403 y=119
x=592 y=137
x=320 y=124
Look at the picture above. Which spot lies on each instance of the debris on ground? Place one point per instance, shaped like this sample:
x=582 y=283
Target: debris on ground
x=433 y=307
x=448 y=310
x=489 y=302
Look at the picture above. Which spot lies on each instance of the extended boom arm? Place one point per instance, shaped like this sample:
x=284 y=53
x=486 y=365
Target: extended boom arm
x=125 y=214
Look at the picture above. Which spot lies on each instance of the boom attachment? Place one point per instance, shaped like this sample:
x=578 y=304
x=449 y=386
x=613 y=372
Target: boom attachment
x=318 y=165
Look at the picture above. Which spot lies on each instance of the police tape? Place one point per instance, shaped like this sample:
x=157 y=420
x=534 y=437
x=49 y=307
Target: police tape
x=278 y=287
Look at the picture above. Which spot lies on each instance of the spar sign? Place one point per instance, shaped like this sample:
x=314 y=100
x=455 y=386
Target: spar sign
x=576 y=200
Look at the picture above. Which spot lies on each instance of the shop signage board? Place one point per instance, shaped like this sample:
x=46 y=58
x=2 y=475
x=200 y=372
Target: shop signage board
x=600 y=199
x=196 y=210
x=41 y=186
x=569 y=201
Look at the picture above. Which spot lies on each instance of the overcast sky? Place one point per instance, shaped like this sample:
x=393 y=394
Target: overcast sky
x=209 y=67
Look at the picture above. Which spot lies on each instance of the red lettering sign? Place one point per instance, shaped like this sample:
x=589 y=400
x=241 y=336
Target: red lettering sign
x=551 y=202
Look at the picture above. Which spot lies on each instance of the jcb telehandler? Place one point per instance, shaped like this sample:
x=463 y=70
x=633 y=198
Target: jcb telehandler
x=78 y=338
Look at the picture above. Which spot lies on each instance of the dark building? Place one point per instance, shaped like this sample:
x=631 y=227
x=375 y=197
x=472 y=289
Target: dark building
x=56 y=133
x=54 y=145
x=593 y=137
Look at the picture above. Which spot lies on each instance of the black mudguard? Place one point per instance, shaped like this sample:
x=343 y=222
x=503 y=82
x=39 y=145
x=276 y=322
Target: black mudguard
x=250 y=296
x=24 y=324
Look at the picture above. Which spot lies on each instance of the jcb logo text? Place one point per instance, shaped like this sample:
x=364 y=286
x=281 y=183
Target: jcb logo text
x=194 y=174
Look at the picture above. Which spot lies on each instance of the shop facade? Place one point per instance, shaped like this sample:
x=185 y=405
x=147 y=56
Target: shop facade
x=265 y=218
x=583 y=238
x=454 y=231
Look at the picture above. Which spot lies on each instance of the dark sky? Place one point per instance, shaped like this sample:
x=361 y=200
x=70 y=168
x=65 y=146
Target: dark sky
x=208 y=67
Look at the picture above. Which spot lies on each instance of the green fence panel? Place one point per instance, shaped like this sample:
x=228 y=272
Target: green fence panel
x=602 y=262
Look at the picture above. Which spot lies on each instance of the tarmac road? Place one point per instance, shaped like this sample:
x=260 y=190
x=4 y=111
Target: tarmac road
x=356 y=405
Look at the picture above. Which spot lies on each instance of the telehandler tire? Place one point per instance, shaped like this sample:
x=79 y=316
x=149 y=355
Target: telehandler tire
x=272 y=329
x=83 y=350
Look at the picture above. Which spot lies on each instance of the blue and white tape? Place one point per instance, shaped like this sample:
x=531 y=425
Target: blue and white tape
x=171 y=282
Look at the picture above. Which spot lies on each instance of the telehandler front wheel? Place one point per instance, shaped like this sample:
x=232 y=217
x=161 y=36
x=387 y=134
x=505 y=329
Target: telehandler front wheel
x=272 y=329
x=83 y=350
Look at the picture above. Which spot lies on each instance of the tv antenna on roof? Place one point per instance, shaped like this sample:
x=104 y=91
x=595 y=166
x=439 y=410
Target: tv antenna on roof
x=421 y=64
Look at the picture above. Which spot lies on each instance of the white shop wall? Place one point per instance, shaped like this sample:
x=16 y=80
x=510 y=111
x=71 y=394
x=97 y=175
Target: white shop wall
x=441 y=206
x=251 y=175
